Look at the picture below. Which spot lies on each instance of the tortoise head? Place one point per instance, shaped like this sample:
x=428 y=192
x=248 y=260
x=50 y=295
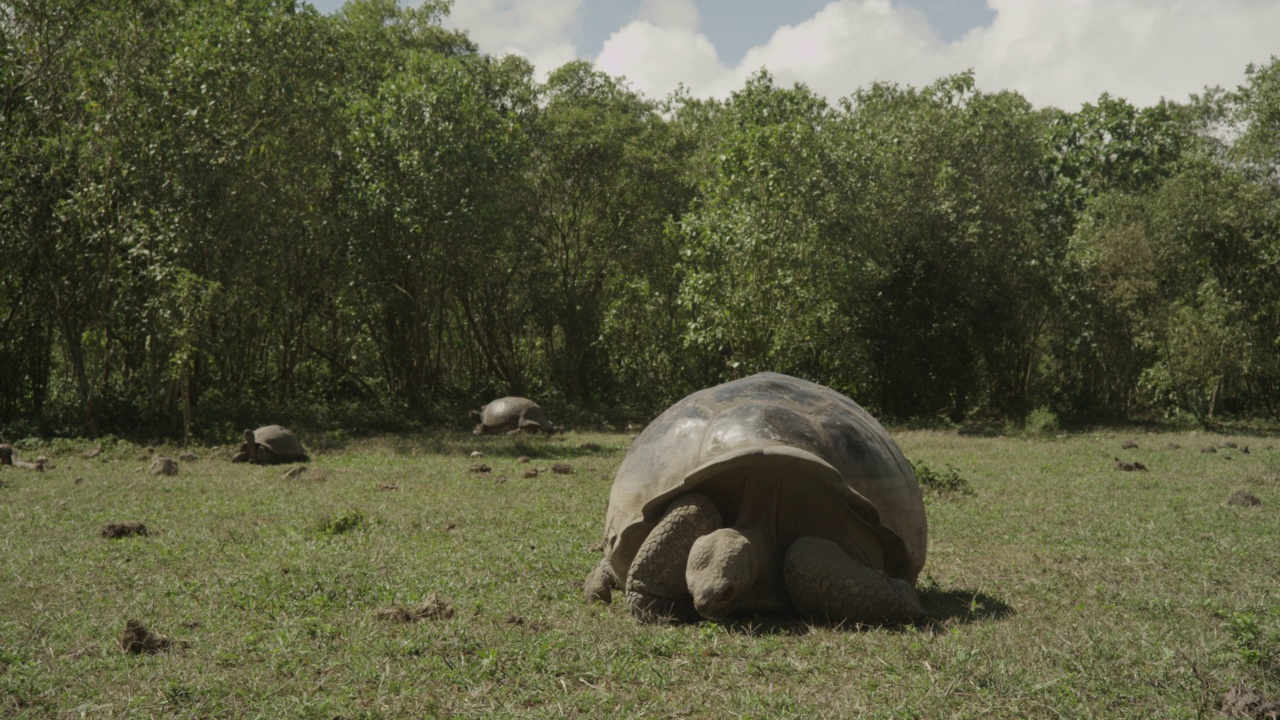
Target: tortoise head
x=476 y=413
x=722 y=567
x=250 y=446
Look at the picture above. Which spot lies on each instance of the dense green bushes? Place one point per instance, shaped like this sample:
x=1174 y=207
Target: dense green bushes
x=213 y=215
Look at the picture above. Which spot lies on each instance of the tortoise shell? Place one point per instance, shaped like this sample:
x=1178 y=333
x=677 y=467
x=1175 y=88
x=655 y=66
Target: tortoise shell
x=844 y=478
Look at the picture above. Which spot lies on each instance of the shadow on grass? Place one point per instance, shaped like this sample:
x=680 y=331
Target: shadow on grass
x=943 y=609
x=765 y=626
x=946 y=608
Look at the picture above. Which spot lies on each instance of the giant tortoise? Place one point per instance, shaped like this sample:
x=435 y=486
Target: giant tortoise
x=768 y=493
x=510 y=415
x=269 y=445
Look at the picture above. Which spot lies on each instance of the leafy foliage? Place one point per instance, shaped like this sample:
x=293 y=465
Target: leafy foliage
x=215 y=215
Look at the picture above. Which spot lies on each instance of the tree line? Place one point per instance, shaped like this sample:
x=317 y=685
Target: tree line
x=217 y=214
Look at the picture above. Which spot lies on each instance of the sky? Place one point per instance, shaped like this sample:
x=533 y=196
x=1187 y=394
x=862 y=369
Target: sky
x=1059 y=53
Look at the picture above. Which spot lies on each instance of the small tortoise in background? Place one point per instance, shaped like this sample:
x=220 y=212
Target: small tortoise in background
x=511 y=415
x=270 y=445
x=766 y=493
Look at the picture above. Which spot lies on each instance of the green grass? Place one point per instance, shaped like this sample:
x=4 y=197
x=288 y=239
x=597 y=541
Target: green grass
x=1060 y=587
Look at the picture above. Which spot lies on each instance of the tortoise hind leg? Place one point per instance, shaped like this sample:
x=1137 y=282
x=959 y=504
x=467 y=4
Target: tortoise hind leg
x=826 y=583
x=656 y=588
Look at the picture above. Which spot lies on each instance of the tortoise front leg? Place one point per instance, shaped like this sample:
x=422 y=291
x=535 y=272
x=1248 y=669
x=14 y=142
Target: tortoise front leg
x=656 y=587
x=826 y=583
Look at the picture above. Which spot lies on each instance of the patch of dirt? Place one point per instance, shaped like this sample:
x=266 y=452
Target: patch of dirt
x=163 y=466
x=524 y=622
x=433 y=607
x=1129 y=466
x=451 y=527
x=1244 y=498
x=480 y=468
x=562 y=468
x=112 y=531
x=137 y=639
x=1242 y=702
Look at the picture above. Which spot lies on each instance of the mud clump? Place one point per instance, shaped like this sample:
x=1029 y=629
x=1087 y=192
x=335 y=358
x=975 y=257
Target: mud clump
x=433 y=607
x=113 y=531
x=523 y=622
x=163 y=466
x=1242 y=702
x=137 y=639
x=1244 y=498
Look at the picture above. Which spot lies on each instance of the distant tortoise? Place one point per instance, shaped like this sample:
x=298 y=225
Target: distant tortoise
x=270 y=445
x=765 y=493
x=510 y=415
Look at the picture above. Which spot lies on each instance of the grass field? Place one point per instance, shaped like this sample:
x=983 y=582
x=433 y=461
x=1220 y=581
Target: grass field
x=1061 y=587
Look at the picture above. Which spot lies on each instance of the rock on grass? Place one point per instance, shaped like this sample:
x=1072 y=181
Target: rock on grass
x=161 y=465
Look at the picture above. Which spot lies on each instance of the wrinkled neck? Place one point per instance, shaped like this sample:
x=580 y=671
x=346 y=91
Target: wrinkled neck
x=758 y=508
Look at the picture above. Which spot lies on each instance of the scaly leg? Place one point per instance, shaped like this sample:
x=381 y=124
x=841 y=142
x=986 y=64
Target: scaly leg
x=826 y=583
x=656 y=588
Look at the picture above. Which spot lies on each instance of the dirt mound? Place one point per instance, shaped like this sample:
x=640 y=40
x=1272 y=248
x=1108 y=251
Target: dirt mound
x=1242 y=702
x=137 y=639
x=433 y=607
x=112 y=531
x=1244 y=498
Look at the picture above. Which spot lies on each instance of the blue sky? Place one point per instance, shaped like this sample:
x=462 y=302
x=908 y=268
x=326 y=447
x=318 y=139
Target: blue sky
x=1055 y=52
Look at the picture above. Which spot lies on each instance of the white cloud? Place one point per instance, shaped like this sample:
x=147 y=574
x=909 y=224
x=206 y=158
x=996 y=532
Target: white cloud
x=673 y=14
x=656 y=60
x=537 y=29
x=853 y=43
x=1055 y=52
x=1064 y=53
